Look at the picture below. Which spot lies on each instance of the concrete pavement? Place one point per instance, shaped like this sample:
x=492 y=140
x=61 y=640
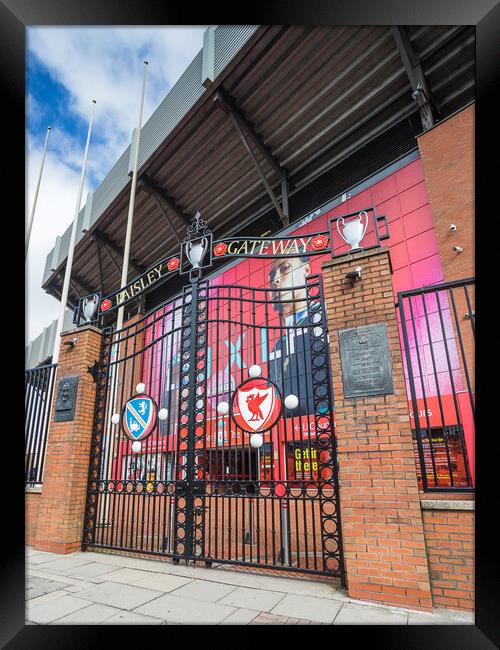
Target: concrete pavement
x=99 y=589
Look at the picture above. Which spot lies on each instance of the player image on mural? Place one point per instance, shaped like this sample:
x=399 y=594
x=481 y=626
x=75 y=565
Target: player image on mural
x=290 y=359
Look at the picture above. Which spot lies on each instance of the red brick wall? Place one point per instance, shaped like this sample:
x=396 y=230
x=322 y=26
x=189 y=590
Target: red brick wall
x=384 y=546
x=32 y=501
x=62 y=502
x=447 y=154
x=449 y=539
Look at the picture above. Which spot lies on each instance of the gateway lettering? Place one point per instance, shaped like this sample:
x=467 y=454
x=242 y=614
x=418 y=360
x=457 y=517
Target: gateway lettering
x=139 y=285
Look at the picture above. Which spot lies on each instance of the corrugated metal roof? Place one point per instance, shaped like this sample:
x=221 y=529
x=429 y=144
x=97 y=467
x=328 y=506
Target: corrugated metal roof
x=313 y=94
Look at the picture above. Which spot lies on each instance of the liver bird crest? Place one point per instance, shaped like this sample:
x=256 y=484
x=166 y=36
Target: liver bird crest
x=254 y=401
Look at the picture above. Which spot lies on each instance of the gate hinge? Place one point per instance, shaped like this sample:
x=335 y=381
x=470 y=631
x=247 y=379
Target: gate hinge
x=94 y=371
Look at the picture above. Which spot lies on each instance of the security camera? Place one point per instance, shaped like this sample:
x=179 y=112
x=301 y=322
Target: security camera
x=419 y=90
x=72 y=343
x=453 y=227
x=354 y=275
x=457 y=249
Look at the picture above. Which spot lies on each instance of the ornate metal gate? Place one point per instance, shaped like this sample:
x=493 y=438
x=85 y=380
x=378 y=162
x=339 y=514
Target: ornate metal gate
x=241 y=466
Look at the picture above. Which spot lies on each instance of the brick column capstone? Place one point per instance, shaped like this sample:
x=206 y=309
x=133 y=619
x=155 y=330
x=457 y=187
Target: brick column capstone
x=62 y=502
x=383 y=538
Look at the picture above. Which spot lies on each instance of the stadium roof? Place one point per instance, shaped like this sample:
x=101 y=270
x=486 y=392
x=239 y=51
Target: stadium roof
x=261 y=113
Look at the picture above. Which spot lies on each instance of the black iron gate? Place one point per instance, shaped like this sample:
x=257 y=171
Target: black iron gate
x=210 y=483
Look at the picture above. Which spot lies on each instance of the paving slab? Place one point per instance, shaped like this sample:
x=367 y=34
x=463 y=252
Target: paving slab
x=240 y=617
x=158 y=581
x=210 y=592
x=175 y=609
x=440 y=617
x=42 y=558
x=65 y=564
x=46 y=598
x=119 y=595
x=79 y=585
x=258 y=599
x=264 y=618
x=132 y=618
x=92 y=570
x=352 y=614
x=91 y=615
x=48 y=612
x=38 y=586
x=321 y=610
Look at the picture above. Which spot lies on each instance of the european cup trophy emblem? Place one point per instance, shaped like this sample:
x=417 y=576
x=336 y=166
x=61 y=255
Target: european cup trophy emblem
x=196 y=252
x=354 y=230
x=89 y=305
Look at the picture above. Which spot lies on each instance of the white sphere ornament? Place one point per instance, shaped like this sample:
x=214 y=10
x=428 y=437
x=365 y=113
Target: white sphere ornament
x=162 y=414
x=222 y=408
x=140 y=388
x=291 y=402
x=255 y=371
x=136 y=447
x=115 y=418
x=256 y=440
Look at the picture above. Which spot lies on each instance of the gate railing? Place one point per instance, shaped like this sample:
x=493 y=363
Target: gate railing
x=39 y=387
x=197 y=489
x=437 y=328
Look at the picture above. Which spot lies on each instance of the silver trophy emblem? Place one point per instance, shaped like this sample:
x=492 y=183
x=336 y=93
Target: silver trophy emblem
x=90 y=304
x=196 y=252
x=354 y=231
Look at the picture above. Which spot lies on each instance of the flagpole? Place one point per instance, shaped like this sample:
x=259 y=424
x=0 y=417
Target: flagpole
x=108 y=443
x=69 y=261
x=130 y=217
x=30 y=222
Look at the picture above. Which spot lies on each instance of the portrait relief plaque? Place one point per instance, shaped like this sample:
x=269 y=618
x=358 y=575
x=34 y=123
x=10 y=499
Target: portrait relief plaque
x=366 y=362
x=66 y=399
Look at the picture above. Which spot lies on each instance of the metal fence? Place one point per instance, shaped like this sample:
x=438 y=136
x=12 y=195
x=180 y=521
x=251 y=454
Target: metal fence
x=39 y=387
x=437 y=330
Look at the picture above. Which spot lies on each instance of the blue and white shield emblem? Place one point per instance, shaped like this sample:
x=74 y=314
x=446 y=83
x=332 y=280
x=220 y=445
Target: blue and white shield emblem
x=139 y=417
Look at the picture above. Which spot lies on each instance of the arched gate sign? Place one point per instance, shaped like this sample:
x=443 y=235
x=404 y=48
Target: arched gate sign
x=241 y=466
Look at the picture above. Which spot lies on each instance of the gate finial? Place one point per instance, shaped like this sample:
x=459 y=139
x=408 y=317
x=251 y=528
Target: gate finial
x=198 y=228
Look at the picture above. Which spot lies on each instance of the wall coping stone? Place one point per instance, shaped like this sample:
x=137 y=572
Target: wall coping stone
x=442 y=504
x=35 y=489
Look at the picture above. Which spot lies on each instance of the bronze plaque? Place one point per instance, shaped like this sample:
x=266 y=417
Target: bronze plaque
x=66 y=399
x=366 y=362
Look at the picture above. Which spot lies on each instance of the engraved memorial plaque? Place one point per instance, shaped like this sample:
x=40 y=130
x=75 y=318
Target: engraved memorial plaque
x=366 y=362
x=66 y=399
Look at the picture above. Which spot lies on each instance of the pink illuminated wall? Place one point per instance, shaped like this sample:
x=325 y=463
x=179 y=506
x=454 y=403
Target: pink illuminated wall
x=402 y=197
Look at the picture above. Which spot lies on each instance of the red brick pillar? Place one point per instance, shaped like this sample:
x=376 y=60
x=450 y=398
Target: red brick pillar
x=62 y=502
x=383 y=537
x=447 y=154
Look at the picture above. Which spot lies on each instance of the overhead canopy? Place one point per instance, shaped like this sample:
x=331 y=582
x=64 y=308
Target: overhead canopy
x=290 y=104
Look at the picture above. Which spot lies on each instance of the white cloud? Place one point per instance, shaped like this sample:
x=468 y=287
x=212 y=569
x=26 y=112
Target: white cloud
x=105 y=64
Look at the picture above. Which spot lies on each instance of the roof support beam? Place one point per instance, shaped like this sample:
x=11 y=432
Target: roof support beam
x=112 y=260
x=107 y=241
x=57 y=291
x=413 y=67
x=247 y=134
x=226 y=103
x=246 y=144
x=73 y=289
x=165 y=215
x=150 y=186
x=99 y=258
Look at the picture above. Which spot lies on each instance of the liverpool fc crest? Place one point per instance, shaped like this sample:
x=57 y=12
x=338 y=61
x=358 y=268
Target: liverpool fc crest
x=256 y=405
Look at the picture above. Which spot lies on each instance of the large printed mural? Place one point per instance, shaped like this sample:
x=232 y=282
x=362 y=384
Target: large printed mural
x=402 y=197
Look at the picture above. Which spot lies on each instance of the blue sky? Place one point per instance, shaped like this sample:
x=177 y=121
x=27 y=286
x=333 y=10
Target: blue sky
x=67 y=67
